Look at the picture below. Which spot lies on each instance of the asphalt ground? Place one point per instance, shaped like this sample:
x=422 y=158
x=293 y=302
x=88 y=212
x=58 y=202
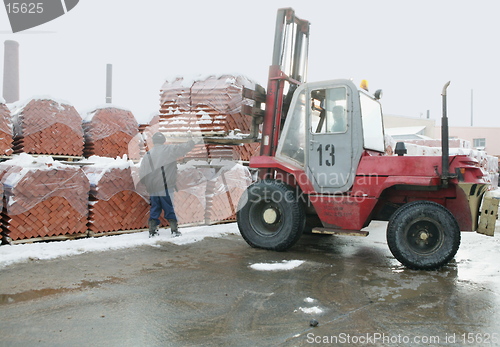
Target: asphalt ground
x=207 y=294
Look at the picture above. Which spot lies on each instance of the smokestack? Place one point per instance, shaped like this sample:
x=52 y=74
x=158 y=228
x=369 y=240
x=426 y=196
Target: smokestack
x=109 y=82
x=11 y=71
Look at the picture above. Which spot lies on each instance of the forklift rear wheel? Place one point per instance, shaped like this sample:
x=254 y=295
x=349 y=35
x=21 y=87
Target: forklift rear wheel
x=423 y=235
x=271 y=217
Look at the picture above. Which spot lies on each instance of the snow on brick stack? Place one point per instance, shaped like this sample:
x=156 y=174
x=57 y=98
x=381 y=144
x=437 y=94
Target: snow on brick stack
x=115 y=203
x=43 y=198
x=211 y=106
x=189 y=199
x=47 y=126
x=109 y=131
x=225 y=190
x=217 y=102
x=5 y=130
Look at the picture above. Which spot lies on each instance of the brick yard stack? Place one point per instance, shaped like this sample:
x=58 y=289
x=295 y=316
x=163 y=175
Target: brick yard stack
x=109 y=131
x=115 y=203
x=212 y=107
x=43 y=198
x=5 y=130
x=224 y=192
x=217 y=102
x=189 y=199
x=47 y=126
x=432 y=147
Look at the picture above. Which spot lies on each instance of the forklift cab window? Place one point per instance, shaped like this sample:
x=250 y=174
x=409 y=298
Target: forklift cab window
x=328 y=110
x=293 y=144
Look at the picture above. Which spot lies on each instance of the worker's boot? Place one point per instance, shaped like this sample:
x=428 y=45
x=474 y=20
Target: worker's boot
x=153 y=227
x=174 y=228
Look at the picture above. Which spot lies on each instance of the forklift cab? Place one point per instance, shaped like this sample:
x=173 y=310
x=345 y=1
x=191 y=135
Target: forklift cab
x=328 y=126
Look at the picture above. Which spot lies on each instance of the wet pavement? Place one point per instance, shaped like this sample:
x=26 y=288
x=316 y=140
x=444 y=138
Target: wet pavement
x=206 y=294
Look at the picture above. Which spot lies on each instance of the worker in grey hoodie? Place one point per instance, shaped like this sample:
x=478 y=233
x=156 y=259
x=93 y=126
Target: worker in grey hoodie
x=158 y=172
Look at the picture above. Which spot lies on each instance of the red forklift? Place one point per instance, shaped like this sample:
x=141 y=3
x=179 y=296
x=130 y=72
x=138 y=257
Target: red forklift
x=323 y=168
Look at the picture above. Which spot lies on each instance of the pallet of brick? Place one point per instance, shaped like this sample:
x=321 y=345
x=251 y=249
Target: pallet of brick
x=175 y=96
x=224 y=191
x=227 y=152
x=47 y=126
x=109 y=132
x=211 y=105
x=453 y=143
x=247 y=150
x=5 y=130
x=43 y=198
x=220 y=99
x=189 y=199
x=114 y=204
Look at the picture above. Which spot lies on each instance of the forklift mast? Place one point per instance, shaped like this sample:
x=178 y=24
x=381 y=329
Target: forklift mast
x=287 y=72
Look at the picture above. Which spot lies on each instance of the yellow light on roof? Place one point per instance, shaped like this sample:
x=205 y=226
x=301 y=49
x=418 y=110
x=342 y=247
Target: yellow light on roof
x=364 y=85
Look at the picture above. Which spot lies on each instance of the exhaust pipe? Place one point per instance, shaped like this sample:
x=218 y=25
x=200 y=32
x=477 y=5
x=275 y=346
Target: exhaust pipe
x=445 y=142
x=109 y=83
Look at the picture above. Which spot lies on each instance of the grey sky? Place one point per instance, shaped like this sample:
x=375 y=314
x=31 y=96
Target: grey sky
x=407 y=48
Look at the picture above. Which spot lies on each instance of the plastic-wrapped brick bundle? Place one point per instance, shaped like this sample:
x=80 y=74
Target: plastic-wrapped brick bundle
x=46 y=126
x=189 y=199
x=5 y=130
x=453 y=143
x=217 y=102
x=175 y=96
x=43 y=198
x=115 y=203
x=109 y=131
x=225 y=190
x=211 y=105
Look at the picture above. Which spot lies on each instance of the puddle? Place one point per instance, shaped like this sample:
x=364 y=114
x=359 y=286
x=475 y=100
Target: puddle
x=40 y=293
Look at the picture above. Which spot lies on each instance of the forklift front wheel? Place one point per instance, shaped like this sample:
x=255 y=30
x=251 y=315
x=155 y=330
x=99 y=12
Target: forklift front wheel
x=423 y=235
x=271 y=216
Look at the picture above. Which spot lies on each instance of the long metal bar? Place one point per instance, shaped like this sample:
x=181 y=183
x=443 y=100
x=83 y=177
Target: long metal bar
x=278 y=36
x=287 y=50
x=445 y=138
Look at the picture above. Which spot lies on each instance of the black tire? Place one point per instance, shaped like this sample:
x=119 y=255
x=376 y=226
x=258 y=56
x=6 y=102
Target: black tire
x=271 y=216
x=423 y=235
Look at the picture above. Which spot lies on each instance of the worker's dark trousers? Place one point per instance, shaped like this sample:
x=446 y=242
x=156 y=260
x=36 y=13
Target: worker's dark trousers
x=162 y=202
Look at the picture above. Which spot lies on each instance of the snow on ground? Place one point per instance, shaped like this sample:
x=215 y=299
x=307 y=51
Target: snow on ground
x=311 y=310
x=284 y=265
x=51 y=250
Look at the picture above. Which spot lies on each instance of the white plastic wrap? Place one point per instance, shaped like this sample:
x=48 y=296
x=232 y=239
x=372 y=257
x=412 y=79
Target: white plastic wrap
x=37 y=114
x=108 y=120
x=28 y=181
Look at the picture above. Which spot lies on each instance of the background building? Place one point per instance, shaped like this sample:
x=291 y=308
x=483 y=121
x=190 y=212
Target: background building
x=480 y=138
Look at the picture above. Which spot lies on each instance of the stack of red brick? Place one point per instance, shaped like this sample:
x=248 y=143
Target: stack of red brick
x=5 y=131
x=109 y=131
x=208 y=194
x=212 y=107
x=224 y=191
x=43 y=198
x=189 y=199
x=115 y=203
x=46 y=126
